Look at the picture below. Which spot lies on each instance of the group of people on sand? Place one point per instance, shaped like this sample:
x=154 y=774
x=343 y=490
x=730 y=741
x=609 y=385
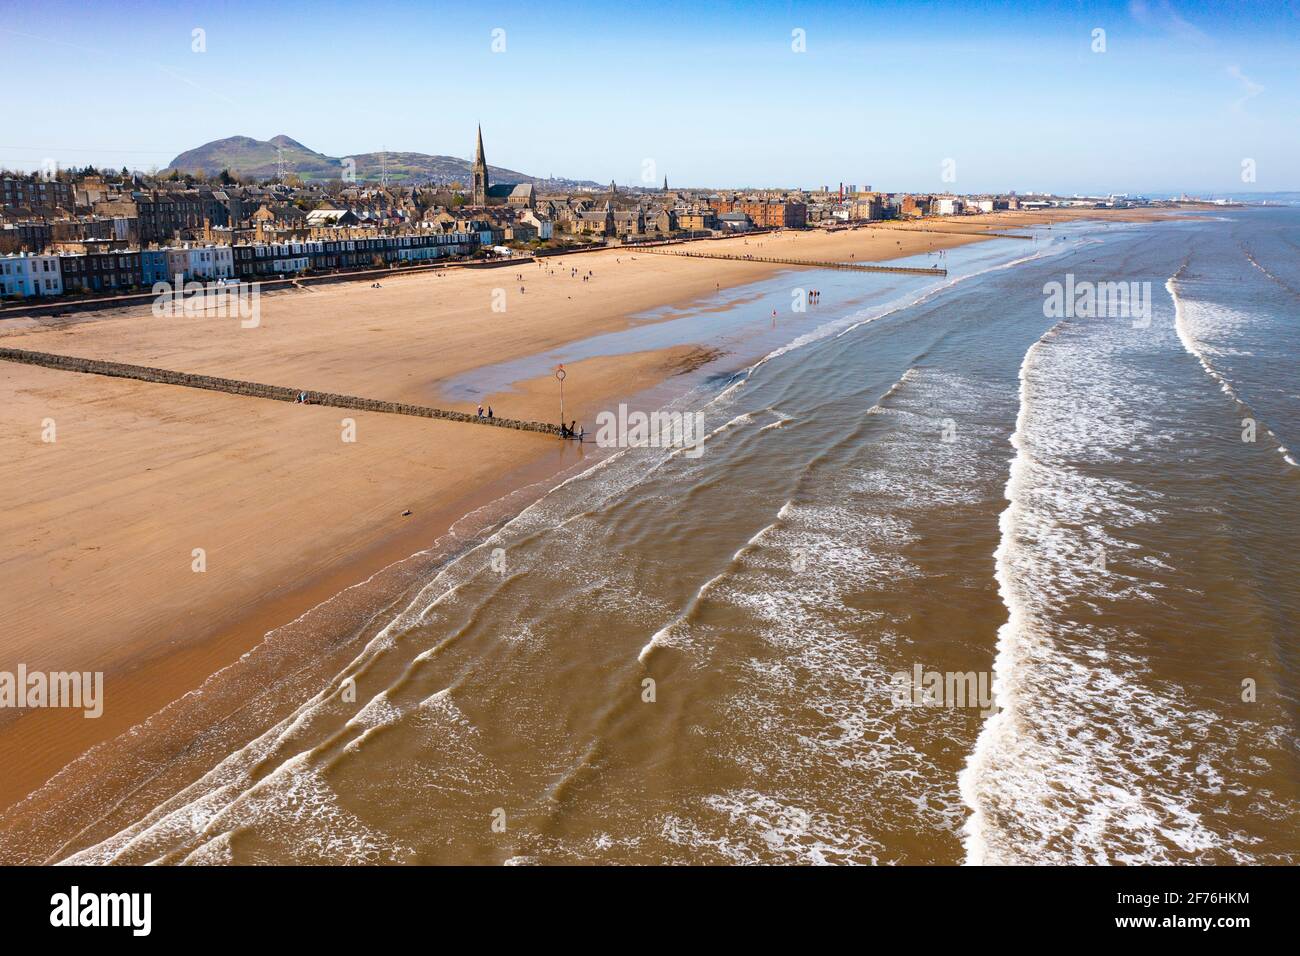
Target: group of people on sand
x=573 y=273
x=572 y=430
x=490 y=413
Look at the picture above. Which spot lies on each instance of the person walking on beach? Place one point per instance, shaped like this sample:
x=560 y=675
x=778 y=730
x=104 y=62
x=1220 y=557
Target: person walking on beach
x=480 y=411
x=490 y=414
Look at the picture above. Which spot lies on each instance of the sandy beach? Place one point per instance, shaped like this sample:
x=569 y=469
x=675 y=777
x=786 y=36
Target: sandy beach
x=104 y=524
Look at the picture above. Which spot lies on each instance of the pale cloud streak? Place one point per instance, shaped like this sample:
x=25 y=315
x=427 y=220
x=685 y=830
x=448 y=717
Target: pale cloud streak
x=1249 y=88
x=1161 y=15
x=1164 y=17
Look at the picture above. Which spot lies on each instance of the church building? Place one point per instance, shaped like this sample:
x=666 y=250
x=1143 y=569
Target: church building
x=520 y=195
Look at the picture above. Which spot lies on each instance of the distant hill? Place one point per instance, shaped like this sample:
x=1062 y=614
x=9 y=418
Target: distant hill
x=246 y=156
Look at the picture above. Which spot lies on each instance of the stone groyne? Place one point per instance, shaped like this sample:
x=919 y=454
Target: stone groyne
x=275 y=393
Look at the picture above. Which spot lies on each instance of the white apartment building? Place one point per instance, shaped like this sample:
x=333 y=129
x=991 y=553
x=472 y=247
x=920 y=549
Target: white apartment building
x=210 y=262
x=544 y=226
x=29 y=275
x=949 y=206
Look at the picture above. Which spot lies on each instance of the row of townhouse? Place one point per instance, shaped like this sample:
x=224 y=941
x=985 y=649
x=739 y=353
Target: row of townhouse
x=27 y=235
x=119 y=270
x=115 y=271
x=39 y=235
x=161 y=215
x=190 y=262
x=36 y=192
x=26 y=274
x=263 y=259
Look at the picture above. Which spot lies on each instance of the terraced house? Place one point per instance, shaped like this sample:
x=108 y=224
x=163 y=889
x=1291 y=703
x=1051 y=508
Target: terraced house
x=260 y=260
x=163 y=215
x=116 y=271
x=26 y=274
x=36 y=193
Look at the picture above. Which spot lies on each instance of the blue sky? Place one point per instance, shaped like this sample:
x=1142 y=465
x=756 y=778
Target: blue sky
x=714 y=96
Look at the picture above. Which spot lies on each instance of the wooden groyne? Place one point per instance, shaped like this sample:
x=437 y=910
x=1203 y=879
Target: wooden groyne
x=275 y=393
x=955 y=232
x=806 y=263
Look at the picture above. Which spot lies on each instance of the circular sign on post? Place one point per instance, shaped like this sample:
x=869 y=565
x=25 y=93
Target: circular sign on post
x=559 y=374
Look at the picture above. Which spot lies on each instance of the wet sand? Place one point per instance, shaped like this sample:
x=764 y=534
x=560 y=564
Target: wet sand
x=102 y=523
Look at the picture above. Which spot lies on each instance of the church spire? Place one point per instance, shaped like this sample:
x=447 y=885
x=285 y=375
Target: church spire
x=480 y=172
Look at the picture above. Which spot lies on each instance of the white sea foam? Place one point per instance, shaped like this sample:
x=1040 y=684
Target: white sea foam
x=1195 y=322
x=782 y=419
x=1000 y=727
x=746 y=826
x=800 y=584
x=1091 y=756
x=670 y=634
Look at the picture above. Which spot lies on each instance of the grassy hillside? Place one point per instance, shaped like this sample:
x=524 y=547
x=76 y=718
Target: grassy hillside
x=246 y=156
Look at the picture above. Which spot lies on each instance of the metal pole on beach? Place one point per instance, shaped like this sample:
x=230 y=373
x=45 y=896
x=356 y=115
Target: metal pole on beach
x=559 y=374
